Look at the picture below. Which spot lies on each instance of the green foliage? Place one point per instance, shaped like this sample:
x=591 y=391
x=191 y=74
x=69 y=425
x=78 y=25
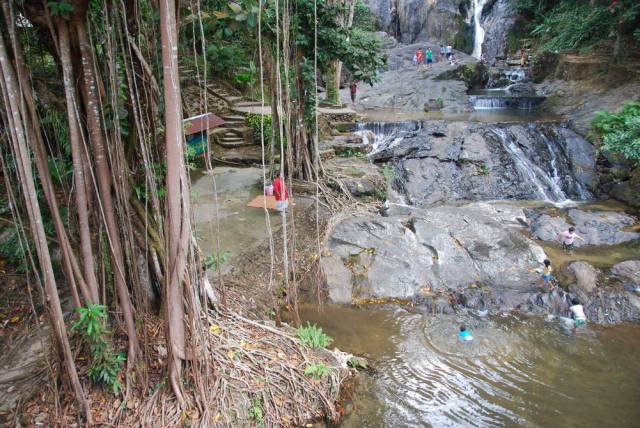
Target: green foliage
x=106 y=364
x=261 y=125
x=358 y=363
x=620 y=132
x=13 y=248
x=316 y=370
x=256 y=413
x=578 y=24
x=60 y=8
x=350 y=152
x=214 y=261
x=248 y=75
x=389 y=173
x=313 y=336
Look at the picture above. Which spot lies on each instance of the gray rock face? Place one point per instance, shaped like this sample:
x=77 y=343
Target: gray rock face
x=498 y=18
x=443 y=248
x=628 y=271
x=596 y=227
x=584 y=281
x=413 y=20
x=443 y=161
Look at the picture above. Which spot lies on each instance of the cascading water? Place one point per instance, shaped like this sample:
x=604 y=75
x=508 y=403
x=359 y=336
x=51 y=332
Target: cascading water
x=547 y=187
x=478 y=31
x=384 y=134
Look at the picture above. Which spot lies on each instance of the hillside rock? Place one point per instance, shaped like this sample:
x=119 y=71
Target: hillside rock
x=443 y=248
x=443 y=161
x=596 y=227
x=628 y=271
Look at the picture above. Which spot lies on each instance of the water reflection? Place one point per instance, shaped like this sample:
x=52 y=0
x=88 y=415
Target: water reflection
x=519 y=371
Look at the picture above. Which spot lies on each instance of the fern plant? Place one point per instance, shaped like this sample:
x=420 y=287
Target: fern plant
x=106 y=364
x=316 y=370
x=620 y=132
x=313 y=336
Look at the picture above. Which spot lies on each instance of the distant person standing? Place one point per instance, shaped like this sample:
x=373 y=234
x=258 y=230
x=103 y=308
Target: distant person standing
x=419 y=56
x=442 y=53
x=523 y=58
x=353 y=89
x=415 y=59
x=281 y=193
x=429 y=58
x=448 y=51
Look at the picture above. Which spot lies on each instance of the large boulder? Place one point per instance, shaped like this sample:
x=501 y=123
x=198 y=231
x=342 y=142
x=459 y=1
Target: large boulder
x=583 y=279
x=443 y=248
x=443 y=161
x=627 y=271
x=596 y=227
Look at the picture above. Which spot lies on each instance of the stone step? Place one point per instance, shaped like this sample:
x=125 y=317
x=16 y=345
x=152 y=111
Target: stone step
x=227 y=144
x=233 y=118
x=248 y=104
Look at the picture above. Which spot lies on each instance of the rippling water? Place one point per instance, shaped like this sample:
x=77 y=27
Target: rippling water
x=518 y=371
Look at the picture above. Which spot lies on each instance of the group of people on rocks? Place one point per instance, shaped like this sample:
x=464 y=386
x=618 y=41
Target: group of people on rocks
x=426 y=57
x=576 y=310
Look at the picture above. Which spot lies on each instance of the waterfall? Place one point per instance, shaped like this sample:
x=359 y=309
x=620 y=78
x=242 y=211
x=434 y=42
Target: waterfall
x=488 y=102
x=546 y=186
x=478 y=32
x=385 y=134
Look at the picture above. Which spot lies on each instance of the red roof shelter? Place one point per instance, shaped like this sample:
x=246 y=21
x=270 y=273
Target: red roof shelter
x=201 y=123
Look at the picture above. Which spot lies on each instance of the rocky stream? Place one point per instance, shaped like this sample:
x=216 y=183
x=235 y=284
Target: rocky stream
x=472 y=208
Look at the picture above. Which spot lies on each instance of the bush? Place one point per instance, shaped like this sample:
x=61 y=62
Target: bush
x=313 y=336
x=620 y=132
x=316 y=370
x=106 y=364
x=257 y=124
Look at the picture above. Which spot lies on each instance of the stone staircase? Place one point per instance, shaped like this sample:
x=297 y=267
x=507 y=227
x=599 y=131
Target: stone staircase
x=221 y=100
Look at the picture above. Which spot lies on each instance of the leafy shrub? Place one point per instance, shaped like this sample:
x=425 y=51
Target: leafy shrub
x=313 y=336
x=213 y=261
x=316 y=370
x=620 y=132
x=258 y=124
x=106 y=364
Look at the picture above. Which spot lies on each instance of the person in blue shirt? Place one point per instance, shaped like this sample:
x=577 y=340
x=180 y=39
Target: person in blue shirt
x=465 y=334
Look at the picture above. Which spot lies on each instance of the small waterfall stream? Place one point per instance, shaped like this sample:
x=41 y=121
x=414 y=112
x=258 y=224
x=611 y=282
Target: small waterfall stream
x=547 y=186
x=478 y=33
x=385 y=134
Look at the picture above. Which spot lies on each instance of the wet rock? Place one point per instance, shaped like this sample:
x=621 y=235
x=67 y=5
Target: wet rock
x=583 y=278
x=443 y=161
x=412 y=20
x=444 y=248
x=498 y=18
x=628 y=271
x=596 y=227
x=613 y=306
x=627 y=192
x=521 y=89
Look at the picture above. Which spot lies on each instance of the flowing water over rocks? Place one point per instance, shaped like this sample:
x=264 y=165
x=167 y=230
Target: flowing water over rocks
x=437 y=161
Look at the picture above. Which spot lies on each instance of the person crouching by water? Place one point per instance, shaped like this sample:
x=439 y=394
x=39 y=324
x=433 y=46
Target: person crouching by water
x=577 y=312
x=465 y=335
x=281 y=193
x=547 y=277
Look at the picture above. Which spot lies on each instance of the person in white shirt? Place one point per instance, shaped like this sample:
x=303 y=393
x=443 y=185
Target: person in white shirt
x=577 y=312
x=568 y=238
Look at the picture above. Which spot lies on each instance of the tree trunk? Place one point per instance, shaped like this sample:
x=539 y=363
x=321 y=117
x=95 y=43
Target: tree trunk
x=178 y=227
x=23 y=163
x=332 y=77
x=103 y=173
x=78 y=153
x=36 y=141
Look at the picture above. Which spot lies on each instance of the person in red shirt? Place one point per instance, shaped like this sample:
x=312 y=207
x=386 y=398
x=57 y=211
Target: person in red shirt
x=281 y=193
